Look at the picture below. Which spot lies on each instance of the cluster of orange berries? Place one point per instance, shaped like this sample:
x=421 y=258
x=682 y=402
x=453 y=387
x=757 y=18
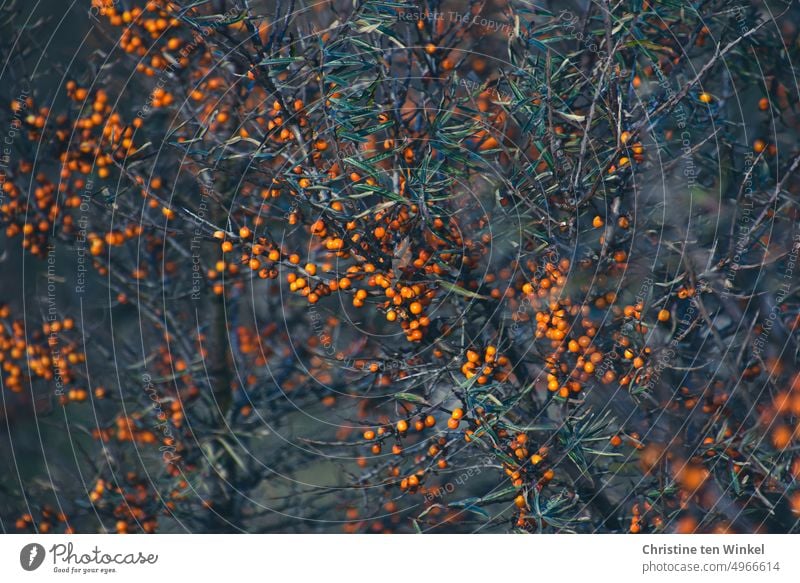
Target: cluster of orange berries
x=519 y=448
x=49 y=355
x=524 y=472
x=408 y=303
x=651 y=522
x=98 y=242
x=575 y=355
x=412 y=482
x=131 y=428
x=133 y=511
x=489 y=366
x=49 y=520
x=261 y=256
x=128 y=428
x=32 y=217
x=278 y=130
x=434 y=457
x=782 y=415
x=142 y=29
x=633 y=150
x=376 y=436
x=571 y=329
x=90 y=144
x=549 y=284
x=93 y=142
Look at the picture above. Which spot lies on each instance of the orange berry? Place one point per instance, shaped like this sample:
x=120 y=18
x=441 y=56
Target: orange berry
x=781 y=437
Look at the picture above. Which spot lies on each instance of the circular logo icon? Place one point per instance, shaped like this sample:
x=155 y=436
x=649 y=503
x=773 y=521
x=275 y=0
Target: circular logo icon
x=31 y=556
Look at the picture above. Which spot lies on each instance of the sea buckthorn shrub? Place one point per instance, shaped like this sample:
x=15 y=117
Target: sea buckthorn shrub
x=383 y=266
